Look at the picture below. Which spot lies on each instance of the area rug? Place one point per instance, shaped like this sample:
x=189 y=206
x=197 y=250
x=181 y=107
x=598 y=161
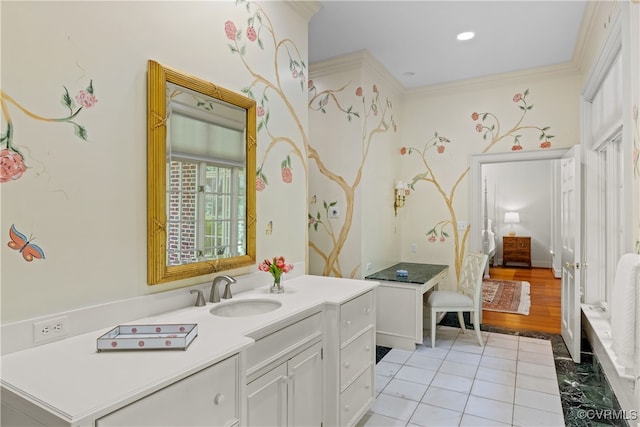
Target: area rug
x=507 y=296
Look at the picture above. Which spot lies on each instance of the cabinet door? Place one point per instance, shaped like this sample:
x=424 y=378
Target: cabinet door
x=206 y=398
x=267 y=399
x=305 y=388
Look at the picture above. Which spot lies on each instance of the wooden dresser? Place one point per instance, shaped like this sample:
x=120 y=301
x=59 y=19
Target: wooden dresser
x=516 y=249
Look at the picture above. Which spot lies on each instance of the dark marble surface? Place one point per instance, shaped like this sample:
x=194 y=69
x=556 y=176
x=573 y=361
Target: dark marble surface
x=417 y=273
x=583 y=386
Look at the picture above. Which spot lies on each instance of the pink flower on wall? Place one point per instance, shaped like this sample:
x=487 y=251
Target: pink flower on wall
x=287 y=174
x=230 y=30
x=251 y=34
x=11 y=165
x=261 y=180
x=86 y=98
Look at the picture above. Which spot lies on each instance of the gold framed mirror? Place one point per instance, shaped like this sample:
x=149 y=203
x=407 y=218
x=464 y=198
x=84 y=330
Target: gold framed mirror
x=201 y=168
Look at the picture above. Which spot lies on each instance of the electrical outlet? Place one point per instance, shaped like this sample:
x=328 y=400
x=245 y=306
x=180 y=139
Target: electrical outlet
x=50 y=329
x=369 y=266
x=414 y=248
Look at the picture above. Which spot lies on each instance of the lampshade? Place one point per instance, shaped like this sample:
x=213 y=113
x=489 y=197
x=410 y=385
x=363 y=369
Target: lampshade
x=511 y=217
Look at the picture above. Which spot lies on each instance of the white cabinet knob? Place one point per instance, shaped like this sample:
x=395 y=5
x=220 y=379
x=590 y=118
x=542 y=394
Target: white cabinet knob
x=367 y=310
x=367 y=348
x=367 y=387
x=347 y=323
x=347 y=364
x=218 y=399
x=347 y=408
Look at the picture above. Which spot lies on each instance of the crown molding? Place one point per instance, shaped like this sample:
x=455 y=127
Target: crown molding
x=304 y=8
x=551 y=71
x=359 y=60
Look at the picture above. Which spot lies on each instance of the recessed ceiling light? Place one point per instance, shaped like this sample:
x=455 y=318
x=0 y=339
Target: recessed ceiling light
x=468 y=35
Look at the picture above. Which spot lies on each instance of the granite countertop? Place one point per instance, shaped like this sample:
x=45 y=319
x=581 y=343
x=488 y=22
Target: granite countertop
x=418 y=273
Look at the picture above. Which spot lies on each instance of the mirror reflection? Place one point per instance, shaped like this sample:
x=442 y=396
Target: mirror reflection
x=203 y=138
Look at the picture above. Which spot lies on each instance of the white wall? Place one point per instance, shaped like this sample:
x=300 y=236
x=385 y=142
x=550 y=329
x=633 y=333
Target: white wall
x=524 y=187
x=85 y=201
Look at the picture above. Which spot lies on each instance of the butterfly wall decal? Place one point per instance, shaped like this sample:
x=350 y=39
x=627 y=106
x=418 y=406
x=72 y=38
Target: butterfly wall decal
x=20 y=243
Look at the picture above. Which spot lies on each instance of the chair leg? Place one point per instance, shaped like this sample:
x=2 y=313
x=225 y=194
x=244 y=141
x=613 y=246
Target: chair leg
x=433 y=328
x=461 y=320
x=476 y=326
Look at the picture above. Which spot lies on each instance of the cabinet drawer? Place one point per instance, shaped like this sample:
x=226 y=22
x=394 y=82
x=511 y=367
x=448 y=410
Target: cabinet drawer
x=355 y=316
x=356 y=399
x=270 y=348
x=356 y=356
x=208 y=397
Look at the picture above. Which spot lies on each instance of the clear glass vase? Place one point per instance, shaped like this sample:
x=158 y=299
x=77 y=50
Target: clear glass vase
x=277 y=288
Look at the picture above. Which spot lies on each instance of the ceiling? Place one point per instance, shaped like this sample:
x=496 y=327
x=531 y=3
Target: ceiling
x=416 y=40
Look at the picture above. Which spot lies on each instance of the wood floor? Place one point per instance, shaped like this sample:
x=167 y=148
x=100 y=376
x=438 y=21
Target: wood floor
x=544 y=314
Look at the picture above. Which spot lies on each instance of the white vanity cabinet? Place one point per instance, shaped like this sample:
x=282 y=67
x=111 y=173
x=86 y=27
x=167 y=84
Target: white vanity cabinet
x=207 y=398
x=290 y=394
x=284 y=376
x=349 y=359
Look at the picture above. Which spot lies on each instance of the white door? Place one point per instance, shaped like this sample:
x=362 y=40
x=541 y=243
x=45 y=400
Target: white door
x=571 y=228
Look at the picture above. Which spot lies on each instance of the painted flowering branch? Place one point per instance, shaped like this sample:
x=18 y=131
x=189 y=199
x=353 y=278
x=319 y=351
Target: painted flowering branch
x=259 y=29
x=489 y=126
x=379 y=111
x=12 y=165
x=259 y=24
x=315 y=221
x=318 y=101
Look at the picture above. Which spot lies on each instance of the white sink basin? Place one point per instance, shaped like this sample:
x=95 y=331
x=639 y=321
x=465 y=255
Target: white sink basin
x=245 y=307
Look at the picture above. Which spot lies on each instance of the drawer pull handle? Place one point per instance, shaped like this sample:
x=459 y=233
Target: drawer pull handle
x=347 y=365
x=347 y=323
x=218 y=399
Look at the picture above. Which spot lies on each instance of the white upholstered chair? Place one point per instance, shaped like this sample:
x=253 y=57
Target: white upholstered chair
x=468 y=297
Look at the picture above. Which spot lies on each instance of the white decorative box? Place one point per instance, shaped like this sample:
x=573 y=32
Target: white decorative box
x=148 y=337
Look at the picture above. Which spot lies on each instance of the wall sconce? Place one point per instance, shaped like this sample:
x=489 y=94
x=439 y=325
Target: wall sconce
x=511 y=218
x=400 y=194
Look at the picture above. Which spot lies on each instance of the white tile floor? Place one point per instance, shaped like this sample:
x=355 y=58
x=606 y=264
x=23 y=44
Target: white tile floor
x=509 y=382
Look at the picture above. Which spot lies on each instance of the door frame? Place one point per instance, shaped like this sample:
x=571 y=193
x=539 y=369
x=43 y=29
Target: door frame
x=475 y=183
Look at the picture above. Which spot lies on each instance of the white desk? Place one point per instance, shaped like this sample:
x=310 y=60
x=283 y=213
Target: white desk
x=399 y=319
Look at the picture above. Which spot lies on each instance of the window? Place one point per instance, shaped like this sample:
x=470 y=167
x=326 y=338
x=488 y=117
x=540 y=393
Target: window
x=612 y=212
x=203 y=222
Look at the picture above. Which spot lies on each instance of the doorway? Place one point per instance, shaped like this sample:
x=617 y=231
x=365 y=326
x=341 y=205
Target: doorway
x=546 y=293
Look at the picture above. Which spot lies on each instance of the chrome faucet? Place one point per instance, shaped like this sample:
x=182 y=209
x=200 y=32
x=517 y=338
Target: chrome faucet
x=215 y=293
x=200 y=299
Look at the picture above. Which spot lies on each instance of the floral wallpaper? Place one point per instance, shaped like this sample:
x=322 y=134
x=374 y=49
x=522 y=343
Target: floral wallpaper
x=487 y=124
x=12 y=159
x=372 y=118
x=256 y=33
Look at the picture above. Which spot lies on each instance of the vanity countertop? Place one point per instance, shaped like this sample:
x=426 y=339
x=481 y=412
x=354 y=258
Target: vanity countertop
x=74 y=381
x=417 y=273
